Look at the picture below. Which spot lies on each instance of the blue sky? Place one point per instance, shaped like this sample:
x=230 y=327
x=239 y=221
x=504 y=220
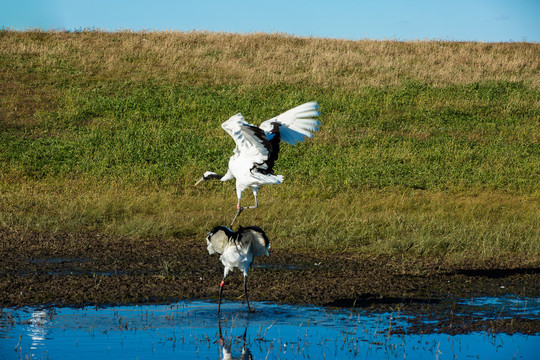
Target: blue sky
x=470 y=20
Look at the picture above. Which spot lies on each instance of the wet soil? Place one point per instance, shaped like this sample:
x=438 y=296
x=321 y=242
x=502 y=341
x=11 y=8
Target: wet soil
x=64 y=269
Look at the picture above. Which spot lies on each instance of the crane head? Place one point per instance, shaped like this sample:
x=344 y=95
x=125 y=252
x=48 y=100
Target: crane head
x=206 y=176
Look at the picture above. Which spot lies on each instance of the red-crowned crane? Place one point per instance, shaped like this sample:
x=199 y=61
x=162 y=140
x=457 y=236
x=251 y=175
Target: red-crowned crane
x=237 y=250
x=257 y=148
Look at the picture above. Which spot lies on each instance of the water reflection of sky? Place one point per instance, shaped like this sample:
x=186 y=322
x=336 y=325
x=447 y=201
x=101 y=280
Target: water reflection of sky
x=190 y=330
x=37 y=330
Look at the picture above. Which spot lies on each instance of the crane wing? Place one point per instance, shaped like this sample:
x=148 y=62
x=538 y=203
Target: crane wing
x=296 y=124
x=258 y=239
x=249 y=139
x=217 y=239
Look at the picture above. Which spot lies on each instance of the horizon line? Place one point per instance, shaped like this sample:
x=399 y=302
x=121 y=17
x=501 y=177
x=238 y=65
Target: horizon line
x=250 y=33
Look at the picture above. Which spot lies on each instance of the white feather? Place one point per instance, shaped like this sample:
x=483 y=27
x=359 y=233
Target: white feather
x=237 y=249
x=295 y=124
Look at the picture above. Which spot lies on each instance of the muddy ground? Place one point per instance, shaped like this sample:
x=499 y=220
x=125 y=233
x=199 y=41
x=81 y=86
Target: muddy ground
x=93 y=269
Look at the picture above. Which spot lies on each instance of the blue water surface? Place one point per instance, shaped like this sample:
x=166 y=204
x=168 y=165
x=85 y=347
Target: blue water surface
x=192 y=330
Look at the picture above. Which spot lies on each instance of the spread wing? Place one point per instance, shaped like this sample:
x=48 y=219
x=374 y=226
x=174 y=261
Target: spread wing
x=296 y=124
x=250 y=140
x=217 y=239
x=258 y=239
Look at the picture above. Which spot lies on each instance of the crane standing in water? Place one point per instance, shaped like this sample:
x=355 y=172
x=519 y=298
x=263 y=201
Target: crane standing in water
x=237 y=250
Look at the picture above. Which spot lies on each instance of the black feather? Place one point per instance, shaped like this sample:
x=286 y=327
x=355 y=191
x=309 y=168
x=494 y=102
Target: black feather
x=272 y=146
x=212 y=176
x=227 y=231
x=274 y=150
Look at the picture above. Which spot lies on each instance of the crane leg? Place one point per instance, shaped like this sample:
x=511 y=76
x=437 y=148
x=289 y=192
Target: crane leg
x=240 y=208
x=255 y=190
x=220 y=293
x=245 y=292
x=254 y=206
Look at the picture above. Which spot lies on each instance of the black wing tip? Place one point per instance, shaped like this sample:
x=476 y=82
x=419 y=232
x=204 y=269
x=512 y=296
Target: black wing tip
x=216 y=229
x=252 y=227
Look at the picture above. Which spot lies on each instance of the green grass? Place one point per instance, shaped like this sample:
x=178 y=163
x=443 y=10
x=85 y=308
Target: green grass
x=372 y=138
x=407 y=168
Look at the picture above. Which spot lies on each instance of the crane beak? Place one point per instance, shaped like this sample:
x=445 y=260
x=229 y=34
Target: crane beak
x=200 y=181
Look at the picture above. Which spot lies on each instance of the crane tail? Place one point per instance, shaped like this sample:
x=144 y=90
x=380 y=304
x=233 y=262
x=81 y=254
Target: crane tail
x=268 y=179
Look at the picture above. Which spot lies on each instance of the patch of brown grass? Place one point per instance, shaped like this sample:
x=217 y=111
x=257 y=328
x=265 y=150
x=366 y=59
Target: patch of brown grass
x=263 y=59
x=35 y=63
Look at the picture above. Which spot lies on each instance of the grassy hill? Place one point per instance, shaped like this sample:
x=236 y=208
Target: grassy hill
x=426 y=148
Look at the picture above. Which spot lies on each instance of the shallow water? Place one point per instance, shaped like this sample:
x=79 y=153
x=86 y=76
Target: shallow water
x=191 y=330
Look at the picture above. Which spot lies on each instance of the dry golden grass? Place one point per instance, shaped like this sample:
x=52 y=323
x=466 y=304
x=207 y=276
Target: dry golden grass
x=264 y=59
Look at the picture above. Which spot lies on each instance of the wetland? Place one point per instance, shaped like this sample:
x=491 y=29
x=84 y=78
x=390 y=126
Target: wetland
x=59 y=270
x=407 y=227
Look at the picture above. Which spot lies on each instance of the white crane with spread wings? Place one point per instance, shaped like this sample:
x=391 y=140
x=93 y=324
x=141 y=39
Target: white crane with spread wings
x=257 y=148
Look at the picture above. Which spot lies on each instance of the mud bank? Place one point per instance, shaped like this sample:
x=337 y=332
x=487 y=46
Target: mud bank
x=93 y=269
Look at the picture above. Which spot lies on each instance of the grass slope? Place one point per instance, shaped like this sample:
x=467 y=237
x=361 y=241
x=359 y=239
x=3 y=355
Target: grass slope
x=425 y=148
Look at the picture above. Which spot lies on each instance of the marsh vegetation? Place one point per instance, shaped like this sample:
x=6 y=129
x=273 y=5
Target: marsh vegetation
x=426 y=148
